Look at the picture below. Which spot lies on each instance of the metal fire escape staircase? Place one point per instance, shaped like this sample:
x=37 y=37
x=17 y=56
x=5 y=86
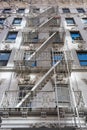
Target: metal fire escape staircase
x=41 y=83
x=42 y=47
x=19 y=55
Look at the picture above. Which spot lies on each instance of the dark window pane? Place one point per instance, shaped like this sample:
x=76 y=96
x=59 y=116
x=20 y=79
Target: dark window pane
x=66 y=10
x=80 y=10
x=70 y=21
x=2 y=21
x=17 y=21
x=4 y=57
x=82 y=56
x=21 y=10
x=83 y=63
x=84 y=20
x=8 y=10
x=56 y=57
x=76 y=36
x=11 y=36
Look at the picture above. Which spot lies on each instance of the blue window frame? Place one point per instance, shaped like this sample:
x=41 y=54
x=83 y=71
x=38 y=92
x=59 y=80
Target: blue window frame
x=17 y=21
x=11 y=36
x=84 y=20
x=76 y=36
x=56 y=57
x=2 y=21
x=21 y=10
x=82 y=56
x=4 y=57
x=7 y=10
x=80 y=10
x=66 y=10
x=70 y=21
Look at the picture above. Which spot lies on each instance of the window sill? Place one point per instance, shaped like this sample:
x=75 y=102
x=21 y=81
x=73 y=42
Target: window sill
x=16 y=24
x=9 y=41
x=78 y=41
x=79 y=68
x=72 y=25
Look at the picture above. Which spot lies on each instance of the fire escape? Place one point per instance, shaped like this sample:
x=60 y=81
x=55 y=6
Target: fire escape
x=43 y=66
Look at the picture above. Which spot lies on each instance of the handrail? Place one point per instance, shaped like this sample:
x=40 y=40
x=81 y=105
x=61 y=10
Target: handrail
x=38 y=84
x=43 y=46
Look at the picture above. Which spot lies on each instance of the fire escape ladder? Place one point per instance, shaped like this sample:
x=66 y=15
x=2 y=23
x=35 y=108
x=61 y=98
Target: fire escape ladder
x=46 y=23
x=41 y=83
x=47 y=12
x=43 y=47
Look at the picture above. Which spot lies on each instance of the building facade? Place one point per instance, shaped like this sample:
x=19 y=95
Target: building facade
x=43 y=64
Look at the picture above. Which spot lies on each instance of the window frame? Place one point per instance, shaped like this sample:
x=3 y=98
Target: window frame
x=7 y=10
x=80 y=60
x=80 y=10
x=78 y=38
x=32 y=63
x=11 y=39
x=2 y=19
x=3 y=61
x=66 y=10
x=13 y=23
x=23 y=89
x=63 y=96
x=70 y=24
x=56 y=56
x=21 y=10
x=83 y=20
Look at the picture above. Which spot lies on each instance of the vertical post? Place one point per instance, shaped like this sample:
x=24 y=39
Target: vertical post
x=56 y=94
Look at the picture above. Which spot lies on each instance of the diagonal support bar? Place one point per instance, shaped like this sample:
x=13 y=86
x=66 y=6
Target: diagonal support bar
x=43 y=46
x=36 y=87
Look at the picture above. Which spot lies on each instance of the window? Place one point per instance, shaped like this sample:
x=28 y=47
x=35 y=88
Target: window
x=32 y=63
x=17 y=21
x=23 y=90
x=36 y=10
x=63 y=93
x=7 y=10
x=11 y=36
x=4 y=57
x=21 y=10
x=56 y=56
x=84 y=20
x=76 y=35
x=34 y=37
x=66 y=10
x=70 y=21
x=82 y=56
x=2 y=21
x=80 y=10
